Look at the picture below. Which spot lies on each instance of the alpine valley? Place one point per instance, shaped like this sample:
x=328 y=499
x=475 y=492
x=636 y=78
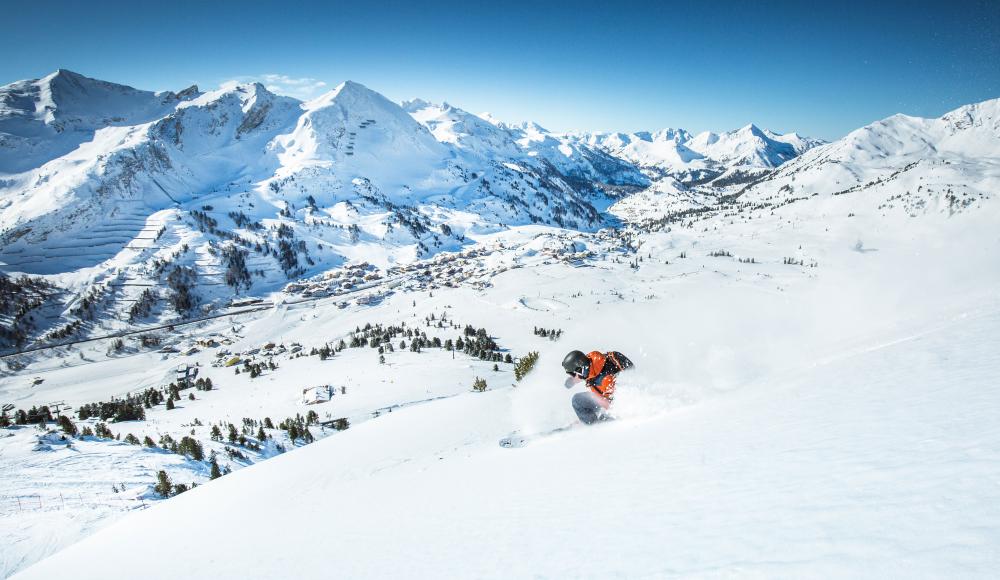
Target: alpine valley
x=289 y=335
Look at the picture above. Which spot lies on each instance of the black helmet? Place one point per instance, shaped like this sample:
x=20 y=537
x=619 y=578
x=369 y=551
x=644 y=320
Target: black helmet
x=576 y=363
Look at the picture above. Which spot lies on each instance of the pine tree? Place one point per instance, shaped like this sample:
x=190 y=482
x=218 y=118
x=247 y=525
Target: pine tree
x=215 y=473
x=479 y=385
x=170 y=403
x=261 y=435
x=191 y=447
x=163 y=484
x=525 y=364
x=66 y=425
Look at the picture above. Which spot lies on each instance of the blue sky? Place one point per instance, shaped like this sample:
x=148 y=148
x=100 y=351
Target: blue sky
x=820 y=69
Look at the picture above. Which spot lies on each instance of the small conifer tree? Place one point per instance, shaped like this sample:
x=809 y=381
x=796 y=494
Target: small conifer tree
x=163 y=484
x=66 y=425
x=525 y=364
x=191 y=447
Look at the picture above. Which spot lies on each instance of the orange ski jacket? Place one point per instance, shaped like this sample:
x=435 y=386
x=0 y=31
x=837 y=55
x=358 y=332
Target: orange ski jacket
x=603 y=368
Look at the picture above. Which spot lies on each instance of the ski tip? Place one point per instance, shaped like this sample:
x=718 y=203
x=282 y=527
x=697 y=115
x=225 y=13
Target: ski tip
x=512 y=442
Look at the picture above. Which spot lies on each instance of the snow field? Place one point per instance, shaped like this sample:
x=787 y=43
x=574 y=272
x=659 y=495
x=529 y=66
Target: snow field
x=831 y=417
x=877 y=464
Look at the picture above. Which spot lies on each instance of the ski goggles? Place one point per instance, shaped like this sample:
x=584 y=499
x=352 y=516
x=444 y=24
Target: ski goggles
x=577 y=374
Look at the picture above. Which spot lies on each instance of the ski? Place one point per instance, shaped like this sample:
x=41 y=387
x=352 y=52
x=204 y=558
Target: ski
x=517 y=440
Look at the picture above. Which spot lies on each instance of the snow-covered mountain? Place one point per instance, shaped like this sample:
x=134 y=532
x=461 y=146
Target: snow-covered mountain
x=46 y=118
x=751 y=146
x=464 y=130
x=676 y=154
x=901 y=164
x=527 y=142
x=909 y=163
x=813 y=395
x=828 y=417
x=104 y=185
x=240 y=191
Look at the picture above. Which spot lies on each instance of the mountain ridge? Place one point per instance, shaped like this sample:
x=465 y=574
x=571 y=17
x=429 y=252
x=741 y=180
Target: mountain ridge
x=249 y=190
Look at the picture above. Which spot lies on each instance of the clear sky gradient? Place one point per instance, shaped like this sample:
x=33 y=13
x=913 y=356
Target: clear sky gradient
x=821 y=69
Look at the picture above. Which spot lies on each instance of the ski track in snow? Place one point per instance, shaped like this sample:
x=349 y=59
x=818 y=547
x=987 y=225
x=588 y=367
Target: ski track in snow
x=716 y=399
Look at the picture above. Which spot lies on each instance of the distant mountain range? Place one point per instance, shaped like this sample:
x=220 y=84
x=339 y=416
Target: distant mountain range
x=109 y=190
x=677 y=154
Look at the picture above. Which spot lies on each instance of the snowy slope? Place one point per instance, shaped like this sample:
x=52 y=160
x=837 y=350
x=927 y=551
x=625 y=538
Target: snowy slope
x=676 y=154
x=46 y=118
x=664 y=148
x=251 y=190
x=579 y=162
x=466 y=131
x=705 y=492
x=815 y=352
x=588 y=167
x=778 y=424
x=900 y=165
x=689 y=172
x=385 y=139
x=915 y=164
x=746 y=146
x=133 y=171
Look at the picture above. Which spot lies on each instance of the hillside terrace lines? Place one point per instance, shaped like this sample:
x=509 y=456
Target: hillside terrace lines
x=133 y=231
x=360 y=282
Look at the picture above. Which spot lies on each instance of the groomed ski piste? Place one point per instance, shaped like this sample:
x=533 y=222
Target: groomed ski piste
x=816 y=350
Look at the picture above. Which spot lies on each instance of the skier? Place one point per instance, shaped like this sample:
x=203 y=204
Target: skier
x=598 y=370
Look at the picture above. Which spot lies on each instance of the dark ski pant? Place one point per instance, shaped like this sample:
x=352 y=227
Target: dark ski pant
x=588 y=408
